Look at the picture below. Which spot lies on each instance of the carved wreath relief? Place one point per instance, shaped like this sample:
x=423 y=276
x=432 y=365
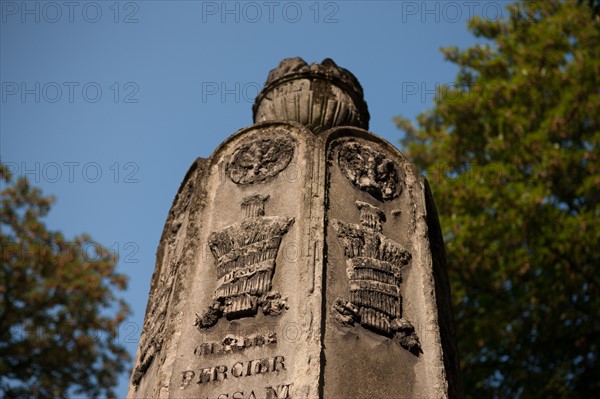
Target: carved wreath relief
x=374 y=269
x=245 y=256
x=371 y=170
x=259 y=159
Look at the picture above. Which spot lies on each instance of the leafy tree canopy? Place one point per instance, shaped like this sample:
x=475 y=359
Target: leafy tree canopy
x=56 y=338
x=594 y=5
x=512 y=151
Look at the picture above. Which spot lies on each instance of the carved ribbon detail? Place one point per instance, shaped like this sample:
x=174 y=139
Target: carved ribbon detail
x=374 y=268
x=245 y=257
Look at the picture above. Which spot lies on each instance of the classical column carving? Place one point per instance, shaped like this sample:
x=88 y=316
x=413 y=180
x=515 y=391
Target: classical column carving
x=245 y=259
x=374 y=269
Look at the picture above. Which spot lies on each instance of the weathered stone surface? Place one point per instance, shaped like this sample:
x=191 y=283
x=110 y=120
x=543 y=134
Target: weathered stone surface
x=258 y=161
x=371 y=170
x=318 y=96
x=396 y=352
x=245 y=256
x=300 y=265
x=374 y=272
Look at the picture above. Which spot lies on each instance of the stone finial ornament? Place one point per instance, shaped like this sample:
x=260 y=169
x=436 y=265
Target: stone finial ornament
x=319 y=96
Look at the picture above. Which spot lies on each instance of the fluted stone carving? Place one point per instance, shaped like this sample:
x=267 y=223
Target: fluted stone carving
x=319 y=96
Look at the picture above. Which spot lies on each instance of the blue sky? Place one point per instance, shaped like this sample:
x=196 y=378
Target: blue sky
x=105 y=104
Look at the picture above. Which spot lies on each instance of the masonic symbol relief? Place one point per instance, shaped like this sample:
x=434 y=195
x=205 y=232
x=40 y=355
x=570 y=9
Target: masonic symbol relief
x=374 y=266
x=245 y=258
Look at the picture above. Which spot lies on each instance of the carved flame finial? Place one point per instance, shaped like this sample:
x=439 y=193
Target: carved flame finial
x=319 y=96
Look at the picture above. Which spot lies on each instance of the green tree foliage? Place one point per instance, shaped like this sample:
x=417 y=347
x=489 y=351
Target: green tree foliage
x=594 y=5
x=56 y=338
x=512 y=151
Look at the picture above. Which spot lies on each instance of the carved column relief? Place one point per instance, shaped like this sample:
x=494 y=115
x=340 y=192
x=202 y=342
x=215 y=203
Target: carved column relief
x=374 y=261
x=245 y=257
x=245 y=252
x=374 y=269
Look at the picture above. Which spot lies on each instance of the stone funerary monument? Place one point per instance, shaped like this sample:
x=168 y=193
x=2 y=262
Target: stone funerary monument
x=303 y=259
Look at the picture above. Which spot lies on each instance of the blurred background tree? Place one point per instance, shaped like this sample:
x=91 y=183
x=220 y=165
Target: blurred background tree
x=59 y=314
x=594 y=5
x=511 y=150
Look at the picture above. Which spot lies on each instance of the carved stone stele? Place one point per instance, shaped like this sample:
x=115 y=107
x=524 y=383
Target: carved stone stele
x=303 y=259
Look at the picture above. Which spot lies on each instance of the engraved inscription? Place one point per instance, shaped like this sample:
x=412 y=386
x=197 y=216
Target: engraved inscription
x=271 y=392
x=238 y=369
x=233 y=344
x=371 y=170
x=245 y=256
x=259 y=159
x=279 y=392
x=374 y=269
x=187 y=377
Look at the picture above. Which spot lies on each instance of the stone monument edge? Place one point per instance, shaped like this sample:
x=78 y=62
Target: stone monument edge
x=442 y=295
